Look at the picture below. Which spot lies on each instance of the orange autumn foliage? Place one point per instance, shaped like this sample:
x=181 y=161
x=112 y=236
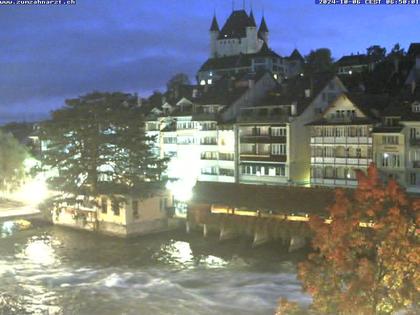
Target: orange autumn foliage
x=371 y=270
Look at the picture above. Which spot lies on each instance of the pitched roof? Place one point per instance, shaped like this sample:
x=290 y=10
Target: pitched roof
x=279 y=199
x=214 y=25
x=353 y=60
x=237 y=61
x=252 y=19
x=293 y=91
x=263 y=26
x=236 y=24
x=414 y=50
x=295 y=55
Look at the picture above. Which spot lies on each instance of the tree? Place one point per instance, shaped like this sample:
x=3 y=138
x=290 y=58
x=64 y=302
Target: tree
x=371 y=269
x=319 y=60
x=376 y=52
x=97 y=144
x=12 y=157
x=396 y=52
x=176 y=81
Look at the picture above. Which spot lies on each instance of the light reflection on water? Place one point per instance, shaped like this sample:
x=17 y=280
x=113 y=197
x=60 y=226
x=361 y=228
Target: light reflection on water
x=59 y=271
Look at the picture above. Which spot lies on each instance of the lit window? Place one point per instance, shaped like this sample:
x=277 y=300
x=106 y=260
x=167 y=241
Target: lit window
x=203 y=82
x=209 y=81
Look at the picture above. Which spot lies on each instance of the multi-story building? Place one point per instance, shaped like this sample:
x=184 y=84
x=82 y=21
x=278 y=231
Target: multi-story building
x=272 y=142
x=396 y=143
x=341 y=141
x=411 y=122
x=348 y=65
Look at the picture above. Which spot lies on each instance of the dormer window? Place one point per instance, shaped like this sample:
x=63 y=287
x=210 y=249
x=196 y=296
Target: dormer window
x=416 y=107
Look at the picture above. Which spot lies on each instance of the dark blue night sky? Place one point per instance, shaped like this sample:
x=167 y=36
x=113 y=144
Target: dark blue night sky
x=48 y=54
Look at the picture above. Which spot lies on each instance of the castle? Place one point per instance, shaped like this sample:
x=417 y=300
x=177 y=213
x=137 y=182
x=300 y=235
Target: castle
x=240 y=47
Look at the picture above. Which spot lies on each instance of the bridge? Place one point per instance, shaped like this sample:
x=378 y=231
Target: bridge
x=13 y=210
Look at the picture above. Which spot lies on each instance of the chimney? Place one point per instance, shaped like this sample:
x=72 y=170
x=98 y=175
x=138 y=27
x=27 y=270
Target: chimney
x=194 y=93
x=293 y=109
x=307 y=93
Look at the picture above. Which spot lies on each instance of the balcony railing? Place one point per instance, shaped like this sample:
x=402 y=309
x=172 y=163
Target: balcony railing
x=341 y=160
x=341 y=140
x=415 y=142
x=263 y=139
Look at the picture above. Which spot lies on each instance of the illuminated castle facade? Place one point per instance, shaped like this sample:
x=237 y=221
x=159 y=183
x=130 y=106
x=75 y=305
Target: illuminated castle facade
x=241 y=47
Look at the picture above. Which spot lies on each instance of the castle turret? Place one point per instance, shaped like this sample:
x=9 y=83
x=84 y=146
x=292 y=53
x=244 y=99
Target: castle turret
x=214 y=34
x=263 y=31
x=251 y=35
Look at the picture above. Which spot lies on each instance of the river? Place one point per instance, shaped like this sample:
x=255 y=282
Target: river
x=54 y=270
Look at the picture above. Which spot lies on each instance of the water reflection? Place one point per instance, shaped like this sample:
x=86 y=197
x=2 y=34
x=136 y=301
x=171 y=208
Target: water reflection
x=39 y=250
x=59 y=271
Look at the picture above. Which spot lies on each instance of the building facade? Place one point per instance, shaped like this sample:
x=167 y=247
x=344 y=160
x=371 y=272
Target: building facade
x=341 y=144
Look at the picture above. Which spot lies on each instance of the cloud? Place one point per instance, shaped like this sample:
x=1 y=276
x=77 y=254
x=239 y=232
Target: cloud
x=52 y=53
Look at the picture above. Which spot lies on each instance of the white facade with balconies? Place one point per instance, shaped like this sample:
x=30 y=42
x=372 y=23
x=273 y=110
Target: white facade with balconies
x=341 y=144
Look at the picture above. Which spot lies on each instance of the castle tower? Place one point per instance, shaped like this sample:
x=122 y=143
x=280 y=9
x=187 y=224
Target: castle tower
x=263 y=31
x=214 y=35
x=252 y=35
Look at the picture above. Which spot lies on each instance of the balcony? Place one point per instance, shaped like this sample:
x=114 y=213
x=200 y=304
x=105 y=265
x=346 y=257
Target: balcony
x=415 y=142
x=341 y=160
x=226 y=156
x=341 y=140
x=263 y=139
x=248 y=156
x=209 y=158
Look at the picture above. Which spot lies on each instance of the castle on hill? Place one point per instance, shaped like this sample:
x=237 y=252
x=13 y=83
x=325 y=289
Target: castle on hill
x=240 y=47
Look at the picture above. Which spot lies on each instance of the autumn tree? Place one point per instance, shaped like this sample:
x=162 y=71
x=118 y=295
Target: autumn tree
x=97 y=144
x=366 y=260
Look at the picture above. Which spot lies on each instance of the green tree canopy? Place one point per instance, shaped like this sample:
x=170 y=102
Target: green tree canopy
x=377 y=52
x=97 y=144
x=177 y=80
x=319 y=60
x=12 y=157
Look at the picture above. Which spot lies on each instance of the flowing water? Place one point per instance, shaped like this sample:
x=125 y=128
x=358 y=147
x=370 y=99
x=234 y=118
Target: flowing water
x=53 y=270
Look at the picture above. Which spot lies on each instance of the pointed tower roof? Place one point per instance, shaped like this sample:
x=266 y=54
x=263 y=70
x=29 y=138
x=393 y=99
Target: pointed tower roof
x=263 y=26
x=252 y=19
x=295 y=55
x=214 y=25
x=236 y=24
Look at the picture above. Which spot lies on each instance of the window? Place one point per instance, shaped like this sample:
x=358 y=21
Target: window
x=413 y=180
x=413 y=133
x=390 y=160
x=135 y=207
x=358 y=153
x=116 y=207
x=104 y=205
x=390 y=140
x=278 y=149
x=278 y=132
x=226 y=172
x=163 y=204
